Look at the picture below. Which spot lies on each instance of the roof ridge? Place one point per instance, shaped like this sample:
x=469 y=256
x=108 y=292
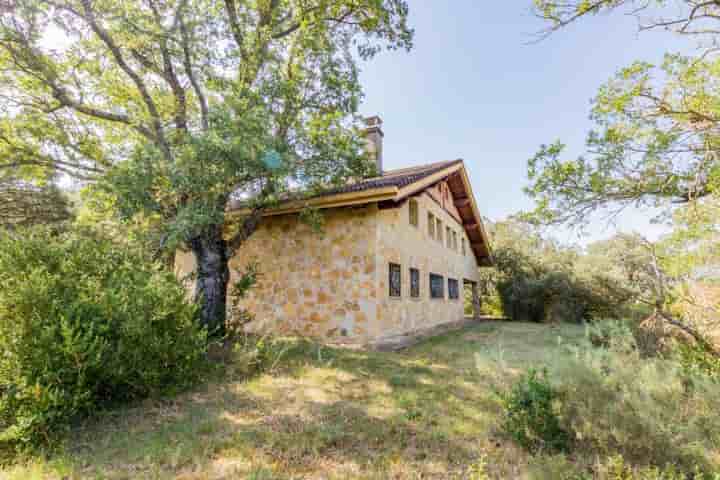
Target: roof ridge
x=403 y=170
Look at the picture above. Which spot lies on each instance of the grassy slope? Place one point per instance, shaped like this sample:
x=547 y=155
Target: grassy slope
x=429 y=412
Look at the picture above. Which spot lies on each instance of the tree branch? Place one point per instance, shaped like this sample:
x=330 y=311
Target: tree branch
x=90 y=18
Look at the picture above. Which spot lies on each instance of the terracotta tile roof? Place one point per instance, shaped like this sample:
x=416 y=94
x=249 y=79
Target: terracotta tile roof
x=393 y=178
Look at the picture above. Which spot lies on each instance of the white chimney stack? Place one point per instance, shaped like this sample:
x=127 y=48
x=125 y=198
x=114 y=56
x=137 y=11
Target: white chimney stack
x=374 y=137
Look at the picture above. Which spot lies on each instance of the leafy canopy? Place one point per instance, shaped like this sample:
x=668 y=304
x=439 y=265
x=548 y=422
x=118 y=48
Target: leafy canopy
x=655 y=139
x=179 y=104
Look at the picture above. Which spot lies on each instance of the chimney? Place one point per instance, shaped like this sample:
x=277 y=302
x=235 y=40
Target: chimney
x=374 y=138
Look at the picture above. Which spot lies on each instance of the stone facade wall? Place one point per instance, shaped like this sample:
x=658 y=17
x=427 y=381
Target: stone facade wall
x=334 y=285
x=401 y=243
x=315 y=284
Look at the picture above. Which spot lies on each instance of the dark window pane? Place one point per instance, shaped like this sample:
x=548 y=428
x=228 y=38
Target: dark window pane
x=453 y=289
x=437 y=286
x=414 y=282
x=395 y=280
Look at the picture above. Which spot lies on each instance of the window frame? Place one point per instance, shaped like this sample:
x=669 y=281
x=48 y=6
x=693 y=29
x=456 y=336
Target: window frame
x=414 y=286
x=442 y=286
x=391 y=291
x=453 y=281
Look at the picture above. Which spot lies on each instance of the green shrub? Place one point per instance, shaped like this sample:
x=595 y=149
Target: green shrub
x=608 y=401
x=615 y=335
x=559 y=467
x=530 y=415
x=696 y=359
x=84 y=324
x=616 y=468
x=616 y=402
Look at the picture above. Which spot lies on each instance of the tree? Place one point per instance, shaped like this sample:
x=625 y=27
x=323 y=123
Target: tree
x=656 y=136
x=179 y=106
x=24 y=203
x=538 y=279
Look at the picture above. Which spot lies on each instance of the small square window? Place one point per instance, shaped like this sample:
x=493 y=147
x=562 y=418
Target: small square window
x=453 y=289
x=431 y=225
x=395 y=280
x=413 y=211
x=414 y=282
x=439 y=230
x=437 y=286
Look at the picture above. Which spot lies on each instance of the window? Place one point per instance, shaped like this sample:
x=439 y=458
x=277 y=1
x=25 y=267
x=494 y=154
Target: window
x=453 y=289
x=395 y=280
x=448 y=237
x=455 y=245
x=463 y=246
x=437 y=286
x=439 y=230
x=414 y=216
x=414 y=282
x=431 y=225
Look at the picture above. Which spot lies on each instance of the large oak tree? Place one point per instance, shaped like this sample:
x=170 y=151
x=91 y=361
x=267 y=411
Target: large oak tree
x=175 y=107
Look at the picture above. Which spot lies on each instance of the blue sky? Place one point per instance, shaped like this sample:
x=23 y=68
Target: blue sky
x=473 y=88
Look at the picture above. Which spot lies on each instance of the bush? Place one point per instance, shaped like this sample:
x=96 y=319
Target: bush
x=697 y=359
x=530 y=416
x=615 y=335
x=558 y=467
x=607 y=401
x=85 y=324
x=616 y=402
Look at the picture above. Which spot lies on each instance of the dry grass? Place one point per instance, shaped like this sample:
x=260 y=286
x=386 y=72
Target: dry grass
x=322 y=413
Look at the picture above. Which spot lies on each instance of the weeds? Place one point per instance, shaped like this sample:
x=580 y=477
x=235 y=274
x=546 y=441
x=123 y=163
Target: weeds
x=530 y=414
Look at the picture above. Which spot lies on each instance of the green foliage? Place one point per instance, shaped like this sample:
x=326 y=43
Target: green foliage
x=616 y=468
x=26 y=202
x=558 y=467
x=616 y=402
x=615 y=335
x=697 y=359
x=655 y=139
x=539 y=280
x=531 y=417
x=85 y=323
x=181 y=106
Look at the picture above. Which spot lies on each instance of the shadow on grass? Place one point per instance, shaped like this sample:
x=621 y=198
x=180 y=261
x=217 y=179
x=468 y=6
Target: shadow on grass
x=317 y=409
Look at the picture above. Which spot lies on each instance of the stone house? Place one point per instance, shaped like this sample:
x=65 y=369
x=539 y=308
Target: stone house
x=394 y=255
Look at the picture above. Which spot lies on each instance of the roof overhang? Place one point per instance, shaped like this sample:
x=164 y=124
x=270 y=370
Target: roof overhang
x=462 y=193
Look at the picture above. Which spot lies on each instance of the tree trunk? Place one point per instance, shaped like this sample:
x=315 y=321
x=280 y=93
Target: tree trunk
x=213 y=275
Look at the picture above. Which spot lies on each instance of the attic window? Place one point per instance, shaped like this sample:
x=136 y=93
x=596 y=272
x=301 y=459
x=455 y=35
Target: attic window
x=439 y=230
x=414 y=213
x=463 y=246
x=448 y=237
x=454 y=242
x=431 y=225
